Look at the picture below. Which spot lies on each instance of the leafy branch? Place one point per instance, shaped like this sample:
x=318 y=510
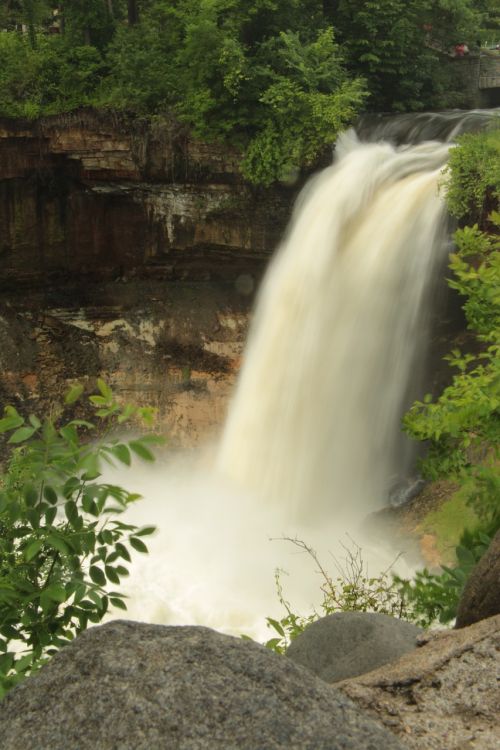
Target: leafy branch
x=61 y=541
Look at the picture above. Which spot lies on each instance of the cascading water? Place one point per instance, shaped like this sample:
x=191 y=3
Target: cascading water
x=315 y=422
x=313 y=433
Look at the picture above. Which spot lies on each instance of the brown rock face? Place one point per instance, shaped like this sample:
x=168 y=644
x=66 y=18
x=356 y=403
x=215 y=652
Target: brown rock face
x=442 y=696
x=128 y=251
x=172 y=345
x=481 y=596
x=96 y=195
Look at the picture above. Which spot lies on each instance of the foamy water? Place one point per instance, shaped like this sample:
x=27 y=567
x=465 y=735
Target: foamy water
x=213 y=558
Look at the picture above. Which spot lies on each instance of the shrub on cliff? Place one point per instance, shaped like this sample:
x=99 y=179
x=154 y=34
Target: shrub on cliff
x=61 y=540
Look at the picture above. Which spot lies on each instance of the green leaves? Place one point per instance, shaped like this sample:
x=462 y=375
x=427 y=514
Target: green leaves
x=97 y=575
x=57 y=543
x=11 y=421
x=50 y=494
x=73 y=394
x=473 y=188
x=33 y=549
x=141 y=450
x=122 y=453
x=305 y=100
x=462 y=425
x=22 y=434
x=137 y=544
x=60 y=542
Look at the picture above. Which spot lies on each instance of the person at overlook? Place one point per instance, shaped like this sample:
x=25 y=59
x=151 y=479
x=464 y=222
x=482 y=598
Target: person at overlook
x=461 y=50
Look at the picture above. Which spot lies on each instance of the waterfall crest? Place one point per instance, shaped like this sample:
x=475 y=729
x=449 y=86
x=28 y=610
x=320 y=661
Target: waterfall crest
x=315 y=422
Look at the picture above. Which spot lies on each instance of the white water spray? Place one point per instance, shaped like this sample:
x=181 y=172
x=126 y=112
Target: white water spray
x=312 y=434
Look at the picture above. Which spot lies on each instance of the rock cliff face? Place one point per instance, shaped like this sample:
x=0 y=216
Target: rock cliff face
x=95 y=195
x=128 y=251
x=174 y=346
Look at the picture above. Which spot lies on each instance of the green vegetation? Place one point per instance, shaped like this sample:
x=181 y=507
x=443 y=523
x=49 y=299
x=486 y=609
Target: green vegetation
x=462 y=426
x=61 y=541
x=446 y=524
x=276 y=78
x=397 y=46
x=353 y=589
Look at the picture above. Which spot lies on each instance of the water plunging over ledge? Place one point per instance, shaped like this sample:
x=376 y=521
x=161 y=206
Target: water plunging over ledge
x=314 y=426
x=313 y=436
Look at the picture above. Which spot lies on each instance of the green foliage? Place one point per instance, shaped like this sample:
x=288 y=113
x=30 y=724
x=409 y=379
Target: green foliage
x=141 y=75
x=462 y=425
x=473 y=188
x=397 y=46
x=464 y=422
x=352 y=590
x=18 y=75
x=88 y=22
x=433 y=597
x=54 y=77
x=306 y=101
x=277 y=79
x=61 y=540
x=265 y=76
x=233 y=73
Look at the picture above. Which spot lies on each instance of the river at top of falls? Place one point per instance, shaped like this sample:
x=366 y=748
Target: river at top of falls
x=312 y=439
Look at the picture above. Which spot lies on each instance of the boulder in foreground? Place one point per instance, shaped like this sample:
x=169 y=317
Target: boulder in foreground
x=131 y=686
x=347 y=644
x=442 y=696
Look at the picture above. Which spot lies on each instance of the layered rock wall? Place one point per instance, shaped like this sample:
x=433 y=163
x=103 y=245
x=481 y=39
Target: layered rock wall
x=128 y=251
x=175 y=346
x=101 y=196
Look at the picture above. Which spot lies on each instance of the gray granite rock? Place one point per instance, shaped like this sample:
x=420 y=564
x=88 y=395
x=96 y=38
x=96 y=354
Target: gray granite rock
x=347 y=644
x=131 y=686
x=443 y=695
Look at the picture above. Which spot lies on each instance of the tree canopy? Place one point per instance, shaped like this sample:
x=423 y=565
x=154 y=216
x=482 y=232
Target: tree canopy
x=276 y=78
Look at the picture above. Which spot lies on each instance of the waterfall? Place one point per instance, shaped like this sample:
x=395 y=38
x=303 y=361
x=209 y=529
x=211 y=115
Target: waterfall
x=315 y=422
x=313 y=435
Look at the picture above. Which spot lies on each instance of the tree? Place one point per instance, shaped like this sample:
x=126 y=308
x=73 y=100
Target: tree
x=89 y=22
x=330 y=9
x=132 y=12
x=397 y=45
x=61 y=540
x=32 y=13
